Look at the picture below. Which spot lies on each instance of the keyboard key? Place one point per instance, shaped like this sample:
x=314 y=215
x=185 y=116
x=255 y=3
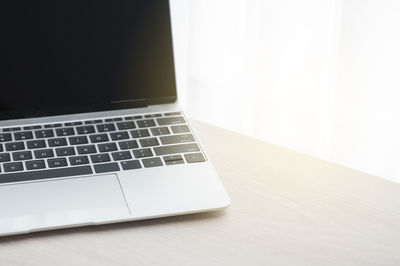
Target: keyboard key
x=106 y=127
x=52 y=125
x=180 y=129
x=194 y=157
x=100 y=158
x=146 y=123
x=130 y=165
x=121 y=155
x=57 y=142
x=79 y=160
x=36 y=144
x=70 y=124
x=87 y=149
x=32 y=127
x=5 y=137
x=141 y=153
x=129 y=144
x=68 y=151
x=133 y=117
x=158 y=131
x=177 y=139
x=1 y=147
x=11 y=129
x=106 y=167
x=45 y=133
x=172 y=114
x=126 y=125
x=173 y=159
x=15 y=146
x=171 y=120
x=23 y=135
x=62 y=132
x=78 y=140
x=57 y=162
x=119 y=135
x=13 y=167
x=149 y=142
x=45 y=174
x=85 y=130
x=152 y=115
x=46 y=153
x=89 y=122
x=116 y=119
x=99 y=138
x=22 y=155
x=107 y=147
x=140 y=133
x=35 y=165
x=182 y=148
x=5 y=157
x=152 y=162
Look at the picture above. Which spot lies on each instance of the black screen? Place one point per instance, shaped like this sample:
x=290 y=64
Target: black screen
x=60 y=57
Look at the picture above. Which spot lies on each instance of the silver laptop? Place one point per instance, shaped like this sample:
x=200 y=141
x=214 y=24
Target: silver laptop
x=90 y=129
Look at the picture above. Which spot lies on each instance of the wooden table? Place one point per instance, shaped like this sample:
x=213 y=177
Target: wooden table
x=287 y=209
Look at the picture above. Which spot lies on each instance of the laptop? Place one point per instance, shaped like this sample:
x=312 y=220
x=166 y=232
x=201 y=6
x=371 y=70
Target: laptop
x=91 y=131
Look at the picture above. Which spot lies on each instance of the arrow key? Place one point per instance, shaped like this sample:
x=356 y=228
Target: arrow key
x=13 y=167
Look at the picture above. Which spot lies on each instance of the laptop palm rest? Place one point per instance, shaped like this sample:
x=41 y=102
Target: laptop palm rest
x=57 y=203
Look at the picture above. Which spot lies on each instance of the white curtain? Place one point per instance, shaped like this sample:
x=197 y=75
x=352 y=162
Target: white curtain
x=320 y=77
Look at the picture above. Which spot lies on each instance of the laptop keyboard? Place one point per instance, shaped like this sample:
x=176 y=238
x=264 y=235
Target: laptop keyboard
x=96 y=146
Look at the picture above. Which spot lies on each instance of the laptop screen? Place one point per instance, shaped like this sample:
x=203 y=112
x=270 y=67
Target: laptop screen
x=62 y=57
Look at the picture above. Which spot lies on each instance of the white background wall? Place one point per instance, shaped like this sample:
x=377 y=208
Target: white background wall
x=319 y=77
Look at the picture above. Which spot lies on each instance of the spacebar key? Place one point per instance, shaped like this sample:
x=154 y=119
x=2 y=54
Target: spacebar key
x=45 y=174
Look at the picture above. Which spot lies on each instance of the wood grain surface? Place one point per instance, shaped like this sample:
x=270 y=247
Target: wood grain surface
x=287 y=209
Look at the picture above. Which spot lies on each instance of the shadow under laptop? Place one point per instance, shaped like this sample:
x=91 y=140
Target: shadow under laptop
x=181 y=219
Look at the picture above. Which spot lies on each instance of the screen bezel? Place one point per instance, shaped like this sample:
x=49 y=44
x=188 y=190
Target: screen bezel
x=111 y=106
x=42 y=112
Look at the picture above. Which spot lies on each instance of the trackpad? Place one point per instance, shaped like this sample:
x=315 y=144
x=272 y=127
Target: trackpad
x=58 y=203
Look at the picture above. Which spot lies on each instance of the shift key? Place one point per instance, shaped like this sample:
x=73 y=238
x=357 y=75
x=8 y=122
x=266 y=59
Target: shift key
x=175 y=139
x=183 y=148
